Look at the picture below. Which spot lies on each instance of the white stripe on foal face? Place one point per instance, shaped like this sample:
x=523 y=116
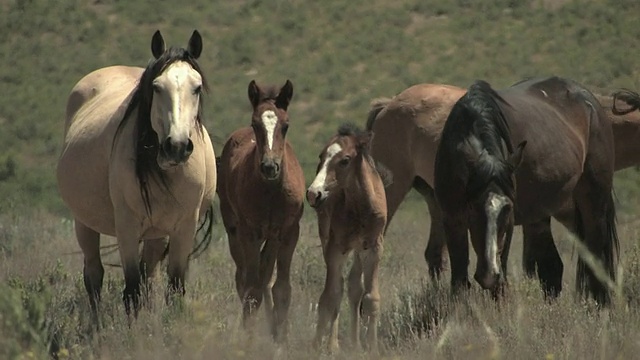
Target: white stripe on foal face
x=269 y=119
x=319 y=184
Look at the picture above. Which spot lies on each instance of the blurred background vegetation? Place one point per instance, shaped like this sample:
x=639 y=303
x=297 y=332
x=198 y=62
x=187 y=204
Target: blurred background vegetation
x=339 y=55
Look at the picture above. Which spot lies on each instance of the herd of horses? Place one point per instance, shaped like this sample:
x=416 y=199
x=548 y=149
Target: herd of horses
x=138 y=164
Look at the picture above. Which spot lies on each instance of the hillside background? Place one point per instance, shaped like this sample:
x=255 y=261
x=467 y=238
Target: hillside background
x=339 y=54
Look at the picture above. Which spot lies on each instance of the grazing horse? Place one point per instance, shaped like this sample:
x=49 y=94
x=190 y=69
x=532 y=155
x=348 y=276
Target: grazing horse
x=348 y=195
x=137 y=163
x=409 y=128
x=261 y=192
x=567 y=164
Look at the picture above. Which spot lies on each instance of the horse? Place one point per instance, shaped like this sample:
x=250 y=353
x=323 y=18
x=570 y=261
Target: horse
x=568 y=164
x=137 y=163
x=410 y=125
x=348 y=195
x=261 y=191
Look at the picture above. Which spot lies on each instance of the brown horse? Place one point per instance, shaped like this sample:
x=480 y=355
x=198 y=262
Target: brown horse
x=348 y=194
x=410 y=126
x=568 y=164
x=138 y=164
x=261 y=190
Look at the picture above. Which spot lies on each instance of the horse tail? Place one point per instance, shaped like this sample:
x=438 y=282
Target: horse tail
x=610 y=251
x=206 y=229
x=377 y=105
x=630 y=97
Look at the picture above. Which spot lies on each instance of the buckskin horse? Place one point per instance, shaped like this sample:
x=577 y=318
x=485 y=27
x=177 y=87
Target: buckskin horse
x=348 y=195
x=409 y=127
x=567 y=164
x=137 y=163
x=261 y=190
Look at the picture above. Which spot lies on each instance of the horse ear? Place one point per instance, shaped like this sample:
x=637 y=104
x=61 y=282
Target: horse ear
x=254 y=93
x=195 y=45
x=515 y=159
x=285 y=95
x=364 y=141
x=157 y=44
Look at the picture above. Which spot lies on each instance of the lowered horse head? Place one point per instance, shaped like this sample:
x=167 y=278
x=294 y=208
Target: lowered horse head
x=339 y=162
x=270 y=123
x=474 y=178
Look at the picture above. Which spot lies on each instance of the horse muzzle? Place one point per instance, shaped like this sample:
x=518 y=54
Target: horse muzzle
x=489 y=280
x=270 y=169
x=173 y=153
x=315 y=197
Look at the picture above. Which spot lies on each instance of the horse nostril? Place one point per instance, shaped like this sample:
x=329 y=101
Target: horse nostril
x=166 y=145
x=189 y=148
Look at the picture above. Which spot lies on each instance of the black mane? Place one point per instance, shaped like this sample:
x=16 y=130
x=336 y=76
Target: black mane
x=146 y=139
x=478 y=114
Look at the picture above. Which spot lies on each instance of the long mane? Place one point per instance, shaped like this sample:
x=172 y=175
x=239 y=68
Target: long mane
x=145 y=138
x=479 y=114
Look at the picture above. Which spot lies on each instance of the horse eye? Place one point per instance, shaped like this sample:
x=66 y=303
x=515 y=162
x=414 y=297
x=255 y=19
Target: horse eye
x=285 y=127
x=156 y=88
x=198 y=90
x=344 y=161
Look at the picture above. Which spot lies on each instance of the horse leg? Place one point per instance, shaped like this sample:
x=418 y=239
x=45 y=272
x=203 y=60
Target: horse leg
x=128 y=247
x=181 y=244
x=329 y=303
x=153 y=251
x=595 y=222
x=456 y=227
x=235 y=245
x=93 y=271
x=435 y=253
x=355 y=290
x=371 y=300
x=540 y=249
x=282 y=286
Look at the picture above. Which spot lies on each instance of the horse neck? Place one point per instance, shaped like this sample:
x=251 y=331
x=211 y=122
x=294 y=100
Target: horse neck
x=626 y=135
x=360 y=189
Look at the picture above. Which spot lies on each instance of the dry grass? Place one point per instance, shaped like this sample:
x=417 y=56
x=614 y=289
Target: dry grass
x=42 y=299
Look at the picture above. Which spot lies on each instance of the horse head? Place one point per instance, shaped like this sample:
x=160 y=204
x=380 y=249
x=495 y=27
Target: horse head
x=270 y=123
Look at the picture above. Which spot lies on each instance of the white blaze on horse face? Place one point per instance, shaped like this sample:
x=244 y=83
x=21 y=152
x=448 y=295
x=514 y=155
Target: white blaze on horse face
x=175 y=106
x=319 y=184
x=493 y=207
x=269 y=119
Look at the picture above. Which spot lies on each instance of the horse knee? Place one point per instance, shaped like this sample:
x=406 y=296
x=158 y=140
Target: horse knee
x=370 y=305
x=281 y=293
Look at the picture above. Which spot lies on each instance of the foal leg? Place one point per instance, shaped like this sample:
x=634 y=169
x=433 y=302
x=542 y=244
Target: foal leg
x=329 y=304
x=371 y=300
x=355 y=290
x=540 y=249
x=93 y=271
x=282 y=286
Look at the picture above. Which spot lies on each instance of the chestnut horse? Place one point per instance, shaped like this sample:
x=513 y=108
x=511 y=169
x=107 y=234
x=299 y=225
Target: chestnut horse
x=261 y=190
x=410 y=125
x=567 y=164
x=138 y=164
x=348 y=195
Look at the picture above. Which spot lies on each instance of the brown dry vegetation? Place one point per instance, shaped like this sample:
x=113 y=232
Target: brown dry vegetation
x=43 y=299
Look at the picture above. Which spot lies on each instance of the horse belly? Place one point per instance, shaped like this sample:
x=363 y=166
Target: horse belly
x=83 y=185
